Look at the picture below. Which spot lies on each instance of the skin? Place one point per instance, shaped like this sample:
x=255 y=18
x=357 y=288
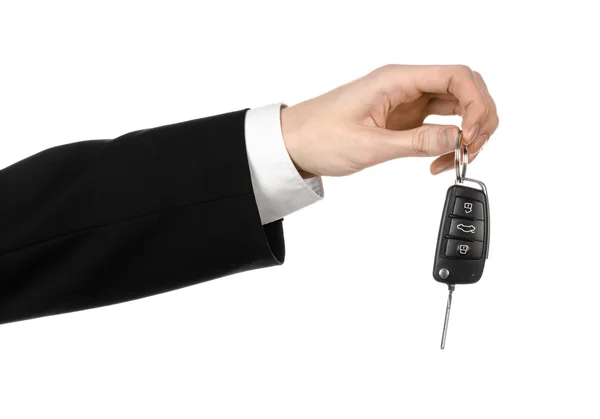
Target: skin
x=379 y=117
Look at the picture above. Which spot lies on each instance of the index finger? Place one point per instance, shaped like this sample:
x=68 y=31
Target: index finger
x=409 y=82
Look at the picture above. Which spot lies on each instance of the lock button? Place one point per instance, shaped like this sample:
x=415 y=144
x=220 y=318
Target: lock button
x=465 y=207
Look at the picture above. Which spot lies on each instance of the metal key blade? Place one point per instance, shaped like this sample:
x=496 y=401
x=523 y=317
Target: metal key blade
x=448 y=306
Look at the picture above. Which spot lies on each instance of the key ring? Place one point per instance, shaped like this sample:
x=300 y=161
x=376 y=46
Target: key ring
x=461 y=159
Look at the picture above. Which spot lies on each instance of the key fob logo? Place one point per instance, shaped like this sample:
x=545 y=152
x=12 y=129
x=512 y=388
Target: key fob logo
x=468 y=207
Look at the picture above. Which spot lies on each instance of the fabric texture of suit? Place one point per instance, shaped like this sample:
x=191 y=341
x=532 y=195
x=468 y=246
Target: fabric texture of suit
x=101 y=222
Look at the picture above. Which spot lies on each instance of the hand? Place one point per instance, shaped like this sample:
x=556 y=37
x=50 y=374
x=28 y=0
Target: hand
x=379 y=117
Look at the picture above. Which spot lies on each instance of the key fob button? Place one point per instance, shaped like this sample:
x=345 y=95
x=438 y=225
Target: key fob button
x=466 y=229
x=465 y=207
x=463 y=249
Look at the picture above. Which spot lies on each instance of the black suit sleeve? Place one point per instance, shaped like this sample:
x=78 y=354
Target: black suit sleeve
x=101 y=222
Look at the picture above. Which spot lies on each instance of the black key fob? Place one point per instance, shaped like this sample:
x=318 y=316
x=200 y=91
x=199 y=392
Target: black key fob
x=463 y=238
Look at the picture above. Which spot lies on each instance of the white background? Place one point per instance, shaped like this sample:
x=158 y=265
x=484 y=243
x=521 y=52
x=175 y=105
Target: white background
x=350 y=325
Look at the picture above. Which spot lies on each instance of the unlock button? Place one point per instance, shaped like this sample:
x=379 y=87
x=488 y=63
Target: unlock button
x=467 y=229
x=464 y=250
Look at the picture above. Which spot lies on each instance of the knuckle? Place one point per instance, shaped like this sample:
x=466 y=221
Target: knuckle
x=495 y=121
x=367 y=157
x=388 y=67
x=480 y=107
x=485 y=109
x=464 y=70
x=421 y=142
x=382 y=70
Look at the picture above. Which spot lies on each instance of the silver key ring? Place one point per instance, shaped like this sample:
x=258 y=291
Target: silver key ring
x=461 y=159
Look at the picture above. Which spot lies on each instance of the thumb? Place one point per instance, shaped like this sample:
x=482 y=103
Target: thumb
x=427 y=140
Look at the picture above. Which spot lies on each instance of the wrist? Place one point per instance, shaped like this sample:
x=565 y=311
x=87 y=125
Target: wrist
x=291 y=125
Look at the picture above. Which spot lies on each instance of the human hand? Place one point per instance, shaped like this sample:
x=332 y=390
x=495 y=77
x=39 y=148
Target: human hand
x=379 y=117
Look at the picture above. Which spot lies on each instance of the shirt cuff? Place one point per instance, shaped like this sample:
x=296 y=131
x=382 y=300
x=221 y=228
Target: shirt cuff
x=278 y=187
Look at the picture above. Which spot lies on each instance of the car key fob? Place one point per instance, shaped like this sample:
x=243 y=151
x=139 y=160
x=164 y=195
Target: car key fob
x=464 y=235
x=463 y=238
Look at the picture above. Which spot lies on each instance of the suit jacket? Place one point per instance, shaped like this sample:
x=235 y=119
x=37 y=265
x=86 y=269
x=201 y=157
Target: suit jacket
x=100 y=222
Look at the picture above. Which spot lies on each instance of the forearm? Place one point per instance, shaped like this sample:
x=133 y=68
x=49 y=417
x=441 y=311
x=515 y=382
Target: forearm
x=100 y=222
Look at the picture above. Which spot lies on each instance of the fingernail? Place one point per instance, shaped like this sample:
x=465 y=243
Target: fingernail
x=480 y=143
x=472 y=134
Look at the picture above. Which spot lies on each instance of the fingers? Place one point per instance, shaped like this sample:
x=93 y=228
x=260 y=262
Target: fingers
x=443 y=106
x=446 y=161
x=425 y=141
x=442 y=164
x=491 y=122
x=406 y=83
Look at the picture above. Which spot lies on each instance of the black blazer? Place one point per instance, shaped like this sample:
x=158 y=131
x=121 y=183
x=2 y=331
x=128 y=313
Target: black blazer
x=100 y=222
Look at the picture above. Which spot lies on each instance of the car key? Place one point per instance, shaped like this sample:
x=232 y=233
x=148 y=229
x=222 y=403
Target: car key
x=464 y=234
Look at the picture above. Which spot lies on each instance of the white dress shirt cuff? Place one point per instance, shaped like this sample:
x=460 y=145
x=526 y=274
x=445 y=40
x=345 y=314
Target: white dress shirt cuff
x=278 y=187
